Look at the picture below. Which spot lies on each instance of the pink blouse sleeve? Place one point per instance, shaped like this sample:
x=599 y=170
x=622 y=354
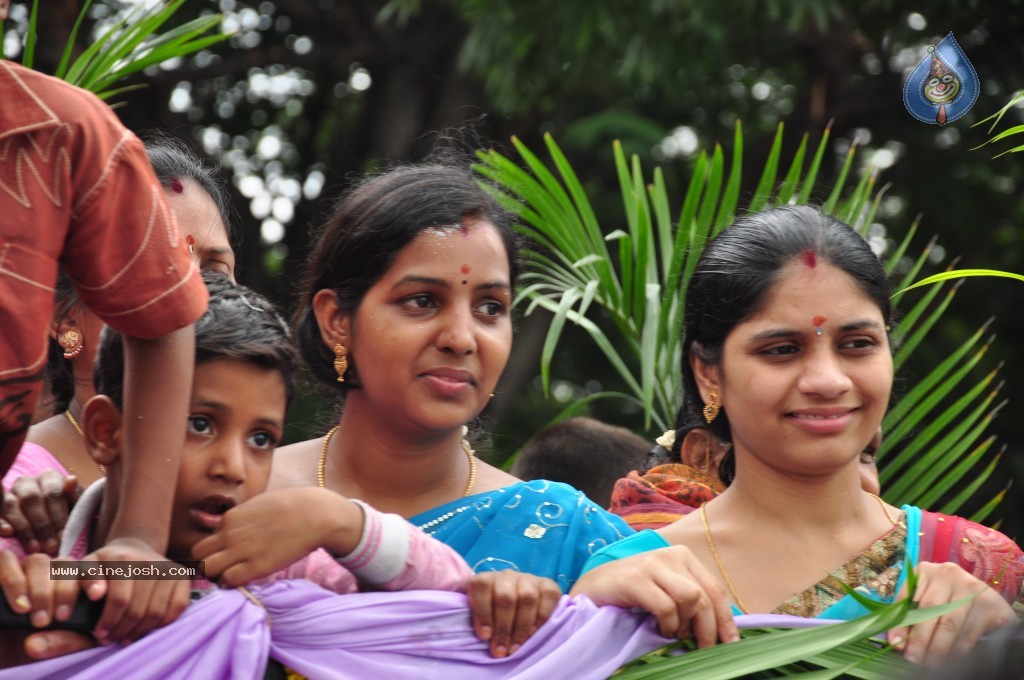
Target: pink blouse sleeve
x=989 y=555
x=32 y=461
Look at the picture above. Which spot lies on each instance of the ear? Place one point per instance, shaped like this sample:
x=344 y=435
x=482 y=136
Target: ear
x=333 y=323
x=101 y=426
x=706 y=375
x=69 y=322
x=696 y=445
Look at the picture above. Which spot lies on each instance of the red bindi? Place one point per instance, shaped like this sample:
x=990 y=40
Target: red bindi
x=465 y=269
x=810 y=259
x=177 y=186
x=819 y=320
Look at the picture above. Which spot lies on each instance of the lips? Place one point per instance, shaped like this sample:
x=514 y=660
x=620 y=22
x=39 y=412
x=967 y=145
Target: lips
x=830 y=420
x=208 y=513
x=448 y=382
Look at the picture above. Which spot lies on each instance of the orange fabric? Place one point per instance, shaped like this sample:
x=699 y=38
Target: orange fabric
x=76 y=190
x=663 y=495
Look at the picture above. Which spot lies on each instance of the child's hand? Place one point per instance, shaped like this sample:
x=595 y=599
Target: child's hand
x=672 y=585
x=35 y=510
x=508 y=607
x=20 y=647
x=29 y=589
x=134 y=607
x=276 y=529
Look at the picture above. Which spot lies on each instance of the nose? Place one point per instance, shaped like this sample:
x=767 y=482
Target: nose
x=227 y=463
x=824 y=375
x=457 y=334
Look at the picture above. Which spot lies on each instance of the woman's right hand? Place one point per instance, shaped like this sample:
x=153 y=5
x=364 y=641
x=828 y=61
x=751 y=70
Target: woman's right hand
x=35 y=510
x=673 y=586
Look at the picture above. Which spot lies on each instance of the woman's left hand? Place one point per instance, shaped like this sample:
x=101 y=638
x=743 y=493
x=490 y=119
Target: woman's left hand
x=509 y=606
x=955 y=633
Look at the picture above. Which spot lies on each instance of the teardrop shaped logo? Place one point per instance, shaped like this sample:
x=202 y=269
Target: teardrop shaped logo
x=943 y=86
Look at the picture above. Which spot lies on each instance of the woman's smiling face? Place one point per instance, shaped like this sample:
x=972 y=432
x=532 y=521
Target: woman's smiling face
x=798 y=401
x=430 y=339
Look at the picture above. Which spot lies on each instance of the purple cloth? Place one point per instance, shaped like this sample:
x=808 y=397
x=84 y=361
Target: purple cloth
x=415 y=634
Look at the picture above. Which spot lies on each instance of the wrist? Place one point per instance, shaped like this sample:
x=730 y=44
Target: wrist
x=344 y=525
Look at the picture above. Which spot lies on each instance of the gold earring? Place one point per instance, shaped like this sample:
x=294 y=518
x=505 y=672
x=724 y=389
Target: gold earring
x=712 y=408
x=71 y=341
x=340 y=361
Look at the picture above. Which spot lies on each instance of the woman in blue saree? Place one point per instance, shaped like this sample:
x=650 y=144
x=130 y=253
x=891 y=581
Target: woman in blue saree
x=405 y=315
x=787 y=357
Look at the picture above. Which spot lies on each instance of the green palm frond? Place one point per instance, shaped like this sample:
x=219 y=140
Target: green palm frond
x=843 y=649
x=130 y=45
x=960 y=274
x=637 y=271
x=998 y=116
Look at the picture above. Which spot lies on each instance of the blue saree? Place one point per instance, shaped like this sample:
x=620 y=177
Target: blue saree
x=540 y=527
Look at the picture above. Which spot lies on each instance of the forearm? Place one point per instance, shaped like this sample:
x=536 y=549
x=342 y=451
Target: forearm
x=394 y=555
x=157 y=384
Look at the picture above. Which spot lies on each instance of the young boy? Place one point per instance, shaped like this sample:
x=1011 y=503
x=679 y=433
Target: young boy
x=241 y=387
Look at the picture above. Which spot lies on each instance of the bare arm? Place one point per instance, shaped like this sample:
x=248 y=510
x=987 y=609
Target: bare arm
x=157 y=383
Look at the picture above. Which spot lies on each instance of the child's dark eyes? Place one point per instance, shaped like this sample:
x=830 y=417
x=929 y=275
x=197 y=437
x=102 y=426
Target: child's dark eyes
x=262 y=440
x=199 y=425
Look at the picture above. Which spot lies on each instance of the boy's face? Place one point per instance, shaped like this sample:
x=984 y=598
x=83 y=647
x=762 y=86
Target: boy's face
x=236 y=419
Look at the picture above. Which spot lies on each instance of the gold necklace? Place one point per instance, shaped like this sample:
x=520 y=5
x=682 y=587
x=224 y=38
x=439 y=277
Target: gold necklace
x=718 y=560
x=885 y=508
x=78 y=429
x=721 y=566
x=330 y=433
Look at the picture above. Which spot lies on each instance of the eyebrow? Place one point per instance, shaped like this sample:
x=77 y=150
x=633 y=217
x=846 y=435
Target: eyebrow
x=441 y=283
x=776 y=333
x=221 y=407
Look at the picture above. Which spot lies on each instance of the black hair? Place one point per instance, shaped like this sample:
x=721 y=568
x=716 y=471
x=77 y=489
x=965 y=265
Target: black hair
x=371 y=224
x=734 y=275
x=173 y=160
x=586 y=453
x=239 y=324
x=60 y=377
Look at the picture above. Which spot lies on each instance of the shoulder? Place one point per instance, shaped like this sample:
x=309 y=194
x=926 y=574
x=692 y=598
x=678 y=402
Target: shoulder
x=491 y=478
x=988 y=554
x=688 y=531
x=961 y=532
x=44 y=101
x=295 y=464
x=569 y=504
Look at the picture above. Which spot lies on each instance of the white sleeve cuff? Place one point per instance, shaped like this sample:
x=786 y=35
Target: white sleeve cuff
x=382 y=551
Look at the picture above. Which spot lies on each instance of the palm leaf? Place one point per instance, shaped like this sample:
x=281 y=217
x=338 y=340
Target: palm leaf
x=823 y=645
x=961 y=273
x=128 y=46
x=642 y=288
